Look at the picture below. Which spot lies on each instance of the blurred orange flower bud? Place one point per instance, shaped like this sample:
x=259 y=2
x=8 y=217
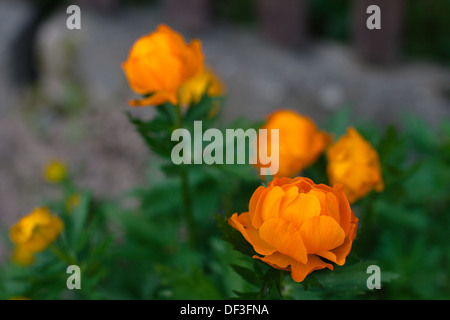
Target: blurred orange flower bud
x=36 y=231
x=22 y=256
x=300 y=141
x=193 y=90
x=354 y=163
x=294 y=224
x=159 y=63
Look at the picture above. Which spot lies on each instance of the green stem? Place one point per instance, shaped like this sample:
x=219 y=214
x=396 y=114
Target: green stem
x=62 y=256
x=187 y=203
x=179 y=123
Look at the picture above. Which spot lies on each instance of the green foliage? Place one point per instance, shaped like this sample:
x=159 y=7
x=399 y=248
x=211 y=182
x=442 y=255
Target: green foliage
x=138 y=245
x=405 y=228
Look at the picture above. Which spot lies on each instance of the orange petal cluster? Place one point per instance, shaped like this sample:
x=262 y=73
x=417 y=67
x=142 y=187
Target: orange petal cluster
x=298 y=226
x=159 y=63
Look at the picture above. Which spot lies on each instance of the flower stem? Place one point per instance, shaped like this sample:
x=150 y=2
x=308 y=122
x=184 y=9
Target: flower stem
x=62 y=256
x=187 y=203
x=187 y=206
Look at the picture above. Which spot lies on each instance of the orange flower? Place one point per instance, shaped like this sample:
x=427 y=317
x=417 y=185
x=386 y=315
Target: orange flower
x=354 y=163
x=300 y=141
x=22 y=257
x=159 y=63
x=294 y=224
x=36 y=231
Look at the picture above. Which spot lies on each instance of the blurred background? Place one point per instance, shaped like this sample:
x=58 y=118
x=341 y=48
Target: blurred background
x=64 y=95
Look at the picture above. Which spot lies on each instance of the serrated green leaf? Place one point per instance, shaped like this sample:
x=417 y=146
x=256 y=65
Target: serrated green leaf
x=234 y=237
x=202 y=109
x=272 y=279
x=247 y=274
x=156 y=133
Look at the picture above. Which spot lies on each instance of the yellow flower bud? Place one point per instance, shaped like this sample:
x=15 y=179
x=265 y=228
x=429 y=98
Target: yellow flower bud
x=55 y=171
x=36 y=231
x=193 y=90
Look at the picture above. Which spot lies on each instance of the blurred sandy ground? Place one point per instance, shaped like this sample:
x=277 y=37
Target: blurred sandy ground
x=77 y=114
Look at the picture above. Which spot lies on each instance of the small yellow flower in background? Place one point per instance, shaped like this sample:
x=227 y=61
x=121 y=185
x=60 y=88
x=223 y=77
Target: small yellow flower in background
x=298 y=226
x=72 y=202
x=55 y=171
x=22 y=256
x=36 y=231
x=193 y=90
x=353 y=162
x=159 y=63
x=300 y=141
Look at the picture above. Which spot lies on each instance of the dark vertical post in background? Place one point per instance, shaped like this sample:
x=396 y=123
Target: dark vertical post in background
x=191 y=15
x=109 y=6
x=382 y=46
x=284 y=21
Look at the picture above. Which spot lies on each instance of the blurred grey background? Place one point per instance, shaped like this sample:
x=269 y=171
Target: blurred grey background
x=64 y=95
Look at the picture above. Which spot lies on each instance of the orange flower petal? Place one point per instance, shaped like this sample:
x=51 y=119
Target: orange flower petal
x=291 y=193
x=321 y=233
x=268 y=205
x=332 y=204
x=252 y=236
x=282 y=235
x=304 y=207
x=342 y=251
x=299 y=271
x=277 y=260
x=154 y=99
x=254 y=200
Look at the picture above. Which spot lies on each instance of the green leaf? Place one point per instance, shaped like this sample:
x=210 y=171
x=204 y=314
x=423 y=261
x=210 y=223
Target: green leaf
x=247 y=274
x=272 y=278
x=78 y=220
x=234 y=237
x=187 y=283
x=156 y=133
x=166 y=113
x=346 y=282
x=202 y=109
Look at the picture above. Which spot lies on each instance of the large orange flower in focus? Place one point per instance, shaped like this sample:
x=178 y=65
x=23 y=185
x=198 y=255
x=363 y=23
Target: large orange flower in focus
x=294 y=225
x=158 y=65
